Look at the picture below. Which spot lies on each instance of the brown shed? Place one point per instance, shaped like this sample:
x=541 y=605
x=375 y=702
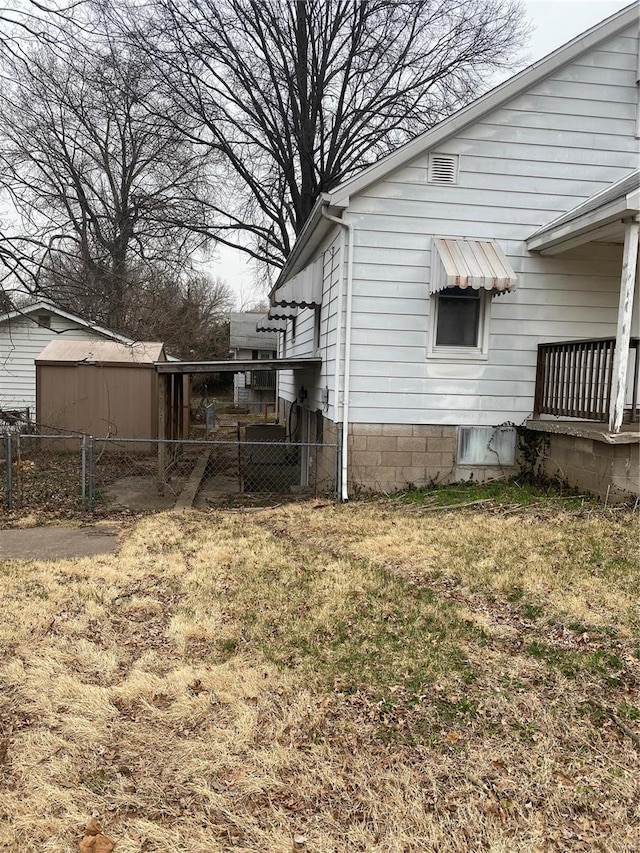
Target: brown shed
x=102 y=388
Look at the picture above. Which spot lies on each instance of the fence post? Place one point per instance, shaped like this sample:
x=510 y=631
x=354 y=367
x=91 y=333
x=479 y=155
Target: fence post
x=91 y=462
x=83 y=484
x=9 y=474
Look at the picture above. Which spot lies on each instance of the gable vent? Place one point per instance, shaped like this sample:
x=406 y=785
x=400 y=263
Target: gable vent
x=443 y=169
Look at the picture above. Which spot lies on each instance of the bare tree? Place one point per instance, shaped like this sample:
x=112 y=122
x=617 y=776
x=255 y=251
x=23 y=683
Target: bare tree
x=191 y=315
x=102 y=180
x=297 y=96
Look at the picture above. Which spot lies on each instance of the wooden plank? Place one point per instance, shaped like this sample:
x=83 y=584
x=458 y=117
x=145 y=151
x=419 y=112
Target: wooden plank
x=190 y=490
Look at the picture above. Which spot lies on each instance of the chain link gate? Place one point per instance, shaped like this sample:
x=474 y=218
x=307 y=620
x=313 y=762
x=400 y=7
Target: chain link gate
x=81 y=473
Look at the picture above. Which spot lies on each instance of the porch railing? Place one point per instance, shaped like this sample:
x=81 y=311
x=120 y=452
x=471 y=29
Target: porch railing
x=574 y=379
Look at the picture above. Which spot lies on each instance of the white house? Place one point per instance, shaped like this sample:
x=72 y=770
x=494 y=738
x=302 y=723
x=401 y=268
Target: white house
x=246 y=343
x=430 y=282
x=23 y=335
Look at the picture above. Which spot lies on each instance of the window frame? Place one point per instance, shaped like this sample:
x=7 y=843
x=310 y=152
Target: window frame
x=460 y=353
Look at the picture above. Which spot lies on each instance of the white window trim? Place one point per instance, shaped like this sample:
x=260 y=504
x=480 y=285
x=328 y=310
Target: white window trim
x=444 y=353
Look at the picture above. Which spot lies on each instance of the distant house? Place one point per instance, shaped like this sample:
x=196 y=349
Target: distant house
x=479 y=279
x=245 y=342
x=24 y=333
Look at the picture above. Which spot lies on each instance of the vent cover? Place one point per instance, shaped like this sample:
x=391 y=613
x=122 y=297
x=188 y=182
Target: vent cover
x=443 y=169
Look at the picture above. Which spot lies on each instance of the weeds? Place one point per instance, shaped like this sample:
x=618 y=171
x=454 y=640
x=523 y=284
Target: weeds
x=370 y=678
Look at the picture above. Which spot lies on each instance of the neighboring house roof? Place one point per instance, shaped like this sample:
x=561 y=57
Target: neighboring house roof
x=316 y=227
x=45 y=305
x=605 y=209
x=62 y=351
x=244 y=335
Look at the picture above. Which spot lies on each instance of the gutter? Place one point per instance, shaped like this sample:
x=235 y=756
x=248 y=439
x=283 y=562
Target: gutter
x=348 y=237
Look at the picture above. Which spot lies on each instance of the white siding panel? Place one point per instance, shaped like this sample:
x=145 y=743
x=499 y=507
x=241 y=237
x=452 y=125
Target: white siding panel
x=21 y=342
x=523 y=165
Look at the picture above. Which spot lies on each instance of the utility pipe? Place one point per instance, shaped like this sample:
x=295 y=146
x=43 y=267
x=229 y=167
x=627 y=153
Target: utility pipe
x=346 y=376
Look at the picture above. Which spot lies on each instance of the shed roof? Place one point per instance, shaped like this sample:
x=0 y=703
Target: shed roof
x=63 y=351
x=600 y=217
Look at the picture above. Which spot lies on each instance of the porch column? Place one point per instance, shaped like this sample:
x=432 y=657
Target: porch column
x=623 y=332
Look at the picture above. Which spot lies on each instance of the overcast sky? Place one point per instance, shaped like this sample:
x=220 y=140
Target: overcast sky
x=554 y=23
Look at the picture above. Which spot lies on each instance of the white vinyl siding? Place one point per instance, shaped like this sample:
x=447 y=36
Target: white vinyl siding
x=536 y=157
x=304 y=344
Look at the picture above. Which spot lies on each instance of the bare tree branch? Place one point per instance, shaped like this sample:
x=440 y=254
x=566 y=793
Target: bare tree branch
x=294 y=97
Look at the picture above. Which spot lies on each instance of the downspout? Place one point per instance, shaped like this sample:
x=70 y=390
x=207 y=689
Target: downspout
x=346 y=376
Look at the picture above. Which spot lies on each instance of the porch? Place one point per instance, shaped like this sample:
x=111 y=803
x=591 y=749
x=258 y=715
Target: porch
x=586 y=399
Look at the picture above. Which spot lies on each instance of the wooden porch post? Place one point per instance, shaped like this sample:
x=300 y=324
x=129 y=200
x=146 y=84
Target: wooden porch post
x=623 y=332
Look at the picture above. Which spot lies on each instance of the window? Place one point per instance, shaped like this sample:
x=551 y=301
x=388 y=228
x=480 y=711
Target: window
x=459 y=326
x=479 y=445
x=458 y=322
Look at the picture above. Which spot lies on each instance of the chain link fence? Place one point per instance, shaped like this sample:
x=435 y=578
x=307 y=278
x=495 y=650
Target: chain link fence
x=88 y=474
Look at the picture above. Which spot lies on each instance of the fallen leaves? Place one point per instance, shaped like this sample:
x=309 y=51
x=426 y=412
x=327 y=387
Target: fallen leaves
x=94 y=840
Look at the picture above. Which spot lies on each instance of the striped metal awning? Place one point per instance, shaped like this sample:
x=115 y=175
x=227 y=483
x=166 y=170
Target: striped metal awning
x=479 y=264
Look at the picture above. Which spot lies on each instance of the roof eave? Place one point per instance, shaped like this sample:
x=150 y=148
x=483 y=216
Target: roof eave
x=44 y=304
x=313 y=233
x=595 y=224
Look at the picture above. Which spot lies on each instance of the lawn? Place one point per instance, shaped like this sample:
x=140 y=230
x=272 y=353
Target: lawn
x=387 y=676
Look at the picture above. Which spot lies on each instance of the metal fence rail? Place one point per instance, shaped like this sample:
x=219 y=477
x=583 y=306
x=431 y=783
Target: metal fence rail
x=84 y=473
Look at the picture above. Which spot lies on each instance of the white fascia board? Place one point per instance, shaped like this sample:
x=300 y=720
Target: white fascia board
x=492 y=100
x=315 y=230
x=581 y=229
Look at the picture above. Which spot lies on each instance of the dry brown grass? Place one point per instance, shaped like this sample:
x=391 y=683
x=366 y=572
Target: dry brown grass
x=369 y=677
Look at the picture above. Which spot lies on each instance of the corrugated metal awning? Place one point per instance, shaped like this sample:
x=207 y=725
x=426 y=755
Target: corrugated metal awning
x=282 y=313
x=479 y=264
x=265 y=324
x=304 y=290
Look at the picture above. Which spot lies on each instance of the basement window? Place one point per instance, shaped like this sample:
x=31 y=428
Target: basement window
x=480 y=445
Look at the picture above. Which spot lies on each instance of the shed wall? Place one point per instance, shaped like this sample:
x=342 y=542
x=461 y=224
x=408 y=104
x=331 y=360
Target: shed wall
x=101 y=401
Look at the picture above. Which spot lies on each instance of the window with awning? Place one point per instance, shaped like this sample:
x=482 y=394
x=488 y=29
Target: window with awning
x=476 y=264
